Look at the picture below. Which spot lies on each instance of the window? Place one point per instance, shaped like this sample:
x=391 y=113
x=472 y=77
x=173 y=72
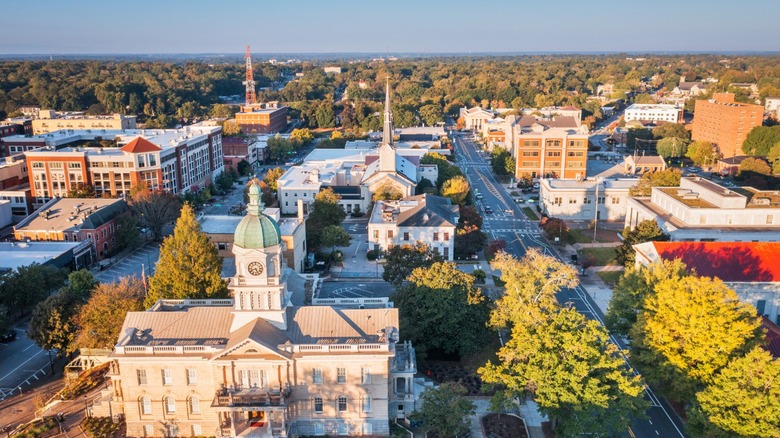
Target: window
x=342 y=404
x=553 y=143
x=319 y=429
x=389 y=234
x=74 y=165
x=194 y=405
x=317 y=375
x=167 y=376
x=341 y=375
x=554 y=154
x=572 y=200
x=141 y=377
x=531 y=153
x=170 y=405
x=343 y=429
x=317 y=405
x=558 y=200
x=615 y=201
x=376 y=234
x=435 y=237
x=197 y=430
x=222 y=246
x=365 y=375
x=446 y=237
x=146 y=406
x=366 y=404
x=406 y=237
x=601 y=200
x=192 y=376
x=531 y=143
x=770 y=218
x=761 y=306
x=446 y=253
x=148 y=430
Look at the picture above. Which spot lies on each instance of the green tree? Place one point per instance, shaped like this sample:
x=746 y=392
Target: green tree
x=302 y=135
x=333 y=236
x=566 y=362
x=222 y=111
x=22 y=290
x=224 y=181
x=439 y=308
x=742 y=400
x=189 y=264
x=672 y=130
x=244 y=168
x=155 y=209
x=554 y=227
x=431 y=114
x=127 y=235
x=774 y=158
x=702 y=153
x=446 y=169
x=100 y=320
x=643 y=135
x=231 y=129
x=280 y=148
x=325 y=116
x=688 y=330
x=669 y=177
x=760 y=140
x=272 y=178
x=500 y=159
x=630 y=291
x=81 y=190
x=425 y=186
x=754 y=166
x=469 y=238
x=325 y=210
x=401 y=260
x=446 y=410
x=645 y=231
x=457 y=189
x=387 y=192
x=671 y=147
x=52 y=326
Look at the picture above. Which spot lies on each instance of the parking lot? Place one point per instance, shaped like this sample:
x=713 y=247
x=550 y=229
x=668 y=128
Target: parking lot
x=355 y=289
x=144 y=258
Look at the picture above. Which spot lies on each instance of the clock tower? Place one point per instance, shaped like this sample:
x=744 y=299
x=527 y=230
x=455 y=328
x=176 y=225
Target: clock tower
x=258 y=289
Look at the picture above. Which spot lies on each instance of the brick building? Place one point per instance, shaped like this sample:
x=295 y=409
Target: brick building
x=174 y=160
x=75 y=220
x=725 y=123
x=550 y=149
x=262 y=118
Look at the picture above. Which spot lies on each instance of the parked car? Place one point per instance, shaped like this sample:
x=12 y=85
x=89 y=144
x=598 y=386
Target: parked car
x=8 y=336
x=488 y=210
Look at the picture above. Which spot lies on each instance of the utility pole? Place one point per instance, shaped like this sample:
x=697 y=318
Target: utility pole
x=596 y=216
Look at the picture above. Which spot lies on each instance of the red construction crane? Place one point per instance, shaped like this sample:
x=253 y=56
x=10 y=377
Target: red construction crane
x=251 y=98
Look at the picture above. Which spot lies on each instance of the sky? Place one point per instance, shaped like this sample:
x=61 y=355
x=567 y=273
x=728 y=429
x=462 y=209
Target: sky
x=53 y=27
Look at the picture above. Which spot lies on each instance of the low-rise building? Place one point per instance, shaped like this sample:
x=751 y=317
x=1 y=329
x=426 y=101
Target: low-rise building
x=423 y=218
x=75 y=220
x=262 y=118
x=730 y=166
x=475 y=118
x=654 y=113
x=639 y=164
x=749 y=268
x=50 y=121
x=701 y=210
x=20 y=200
x=68 y=255
x=570 y=199
x=690 y=88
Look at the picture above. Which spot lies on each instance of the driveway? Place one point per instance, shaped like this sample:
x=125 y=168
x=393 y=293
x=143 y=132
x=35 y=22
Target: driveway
x=144 y=258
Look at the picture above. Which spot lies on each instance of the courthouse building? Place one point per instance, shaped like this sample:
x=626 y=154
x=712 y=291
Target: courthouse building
x=256 y=364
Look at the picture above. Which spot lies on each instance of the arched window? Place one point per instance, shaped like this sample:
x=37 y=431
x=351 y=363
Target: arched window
x=146 y=405
x=170 y=405
x=317 y=405
x=194 y=405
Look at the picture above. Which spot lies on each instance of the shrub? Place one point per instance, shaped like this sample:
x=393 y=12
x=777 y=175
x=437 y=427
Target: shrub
x=372 y=255
x=479 y=275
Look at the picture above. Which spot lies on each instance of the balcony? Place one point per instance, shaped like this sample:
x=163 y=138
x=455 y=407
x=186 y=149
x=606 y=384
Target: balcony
x=243 y=397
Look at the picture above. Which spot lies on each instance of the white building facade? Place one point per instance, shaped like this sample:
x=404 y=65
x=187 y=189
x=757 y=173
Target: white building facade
x=654 y=112
x=579 y=199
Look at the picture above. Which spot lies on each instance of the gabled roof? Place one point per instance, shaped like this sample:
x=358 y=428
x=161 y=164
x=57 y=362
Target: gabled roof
x=431 y=211
x=185 y=326
x=259 y=332
x=140 y=145
x=729 y=261
x=332 y=325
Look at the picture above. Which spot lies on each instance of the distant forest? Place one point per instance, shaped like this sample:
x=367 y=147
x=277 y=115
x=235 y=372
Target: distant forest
x=425 y=90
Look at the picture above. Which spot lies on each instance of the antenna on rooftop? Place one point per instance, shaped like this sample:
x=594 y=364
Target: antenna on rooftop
x=251 y=98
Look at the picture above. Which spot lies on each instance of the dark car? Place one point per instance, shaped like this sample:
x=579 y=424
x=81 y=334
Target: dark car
x=8 y=336
x=488 y=210
x=574 y=259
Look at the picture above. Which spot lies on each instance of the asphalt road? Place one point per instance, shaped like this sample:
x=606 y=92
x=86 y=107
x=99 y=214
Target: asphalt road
x=144 y=258
x=22 y=363
x=510 y=224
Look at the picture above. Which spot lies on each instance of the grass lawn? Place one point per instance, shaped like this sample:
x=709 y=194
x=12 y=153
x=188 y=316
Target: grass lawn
x=530 y=213
x=603 y=256
x=610 y=277
x=578 y=236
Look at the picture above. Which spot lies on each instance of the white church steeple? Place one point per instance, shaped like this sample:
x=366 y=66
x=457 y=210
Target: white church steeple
x=387 y=156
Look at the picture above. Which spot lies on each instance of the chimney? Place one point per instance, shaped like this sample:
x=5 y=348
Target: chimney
x=300 y=210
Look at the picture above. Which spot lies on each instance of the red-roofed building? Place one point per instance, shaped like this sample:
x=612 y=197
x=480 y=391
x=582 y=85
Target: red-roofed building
x=140 y=145
x=752 y=269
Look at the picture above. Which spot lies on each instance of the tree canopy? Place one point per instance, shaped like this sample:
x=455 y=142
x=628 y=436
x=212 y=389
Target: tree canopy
x=272 y=178
x=446 y=410
x=669 y=177
x=325 y=210
x=440 y=309
x=645 y=231
x=754 y=166
x=401 y=260
x=189 y=264
x=702 y=153
x=100 y=319
x=760 y=140
x=155 y=208
x=457 y=189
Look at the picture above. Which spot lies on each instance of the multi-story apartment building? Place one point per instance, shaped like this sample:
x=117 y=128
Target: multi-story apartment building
x=654 y=113
x=258 y=364
x=174 y=160
x=700 y=210
x=50 y=121
x=550 y=149
x=262 y=118
x=75 y=220
x=423 y=218
x=725 y=123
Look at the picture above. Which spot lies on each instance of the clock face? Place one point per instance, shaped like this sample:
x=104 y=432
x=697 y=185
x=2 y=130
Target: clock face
x=255 y=268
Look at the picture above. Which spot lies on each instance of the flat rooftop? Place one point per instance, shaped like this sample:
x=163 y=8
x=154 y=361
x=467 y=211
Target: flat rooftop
x=222 y=224
x=17 y=254
x=590 y=183
x=164 y=138
x=66 y=214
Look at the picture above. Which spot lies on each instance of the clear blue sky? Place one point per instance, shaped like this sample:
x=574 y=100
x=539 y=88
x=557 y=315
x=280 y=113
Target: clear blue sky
x=284 y=26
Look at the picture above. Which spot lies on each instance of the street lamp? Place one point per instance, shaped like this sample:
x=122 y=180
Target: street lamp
x=596 y=215
x=86 y=407
x=376 y=248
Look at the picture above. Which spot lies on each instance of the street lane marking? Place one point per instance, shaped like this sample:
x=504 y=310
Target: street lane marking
x=22 y=364
x=31 y=346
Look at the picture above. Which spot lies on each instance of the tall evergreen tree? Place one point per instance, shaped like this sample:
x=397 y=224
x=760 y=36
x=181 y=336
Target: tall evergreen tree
x=189 y=264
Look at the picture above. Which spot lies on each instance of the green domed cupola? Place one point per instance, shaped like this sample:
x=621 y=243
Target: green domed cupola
x=256 y=230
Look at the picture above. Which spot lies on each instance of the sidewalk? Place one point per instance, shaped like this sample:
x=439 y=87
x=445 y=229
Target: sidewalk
x=22 y=408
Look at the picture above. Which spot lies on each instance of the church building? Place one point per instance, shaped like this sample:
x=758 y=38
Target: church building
x=257 y=364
